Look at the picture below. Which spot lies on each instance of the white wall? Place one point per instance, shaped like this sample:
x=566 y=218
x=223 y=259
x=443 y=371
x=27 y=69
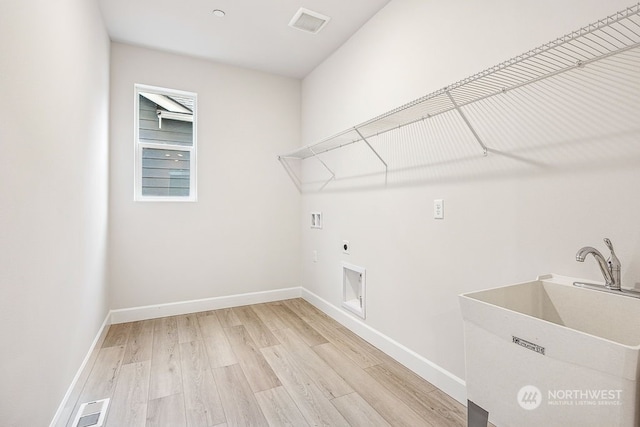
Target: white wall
x=242 y=235
x=562 y=175
x=54 y=63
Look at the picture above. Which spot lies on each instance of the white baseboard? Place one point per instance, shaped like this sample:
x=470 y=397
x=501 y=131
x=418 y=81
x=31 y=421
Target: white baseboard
x=194 y=306
x=96 y=341
x=436 y=375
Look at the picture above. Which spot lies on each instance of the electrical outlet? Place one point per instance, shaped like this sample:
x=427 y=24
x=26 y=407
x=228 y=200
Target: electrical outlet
x=345 y=247
x=438 y=209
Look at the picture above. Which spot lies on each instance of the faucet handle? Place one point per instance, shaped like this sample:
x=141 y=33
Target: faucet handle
x=613 y=259
x=608 y=243
x=614 y=265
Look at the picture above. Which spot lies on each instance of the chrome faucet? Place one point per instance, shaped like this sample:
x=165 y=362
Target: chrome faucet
x=610 y=268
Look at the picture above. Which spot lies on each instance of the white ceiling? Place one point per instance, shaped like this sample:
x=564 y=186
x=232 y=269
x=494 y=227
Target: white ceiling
x=253 y=34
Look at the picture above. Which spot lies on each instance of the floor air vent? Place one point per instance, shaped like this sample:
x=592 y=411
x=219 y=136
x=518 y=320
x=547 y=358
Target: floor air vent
x=308 y=21
x=91 y=414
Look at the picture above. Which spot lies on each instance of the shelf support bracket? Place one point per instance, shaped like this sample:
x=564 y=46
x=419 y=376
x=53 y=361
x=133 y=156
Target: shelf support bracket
x=386 y=167
x=290 y=172
x=464 y=118
x=333 y=175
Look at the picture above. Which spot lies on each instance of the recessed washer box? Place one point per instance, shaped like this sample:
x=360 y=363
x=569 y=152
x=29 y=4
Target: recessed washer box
x=353 y=288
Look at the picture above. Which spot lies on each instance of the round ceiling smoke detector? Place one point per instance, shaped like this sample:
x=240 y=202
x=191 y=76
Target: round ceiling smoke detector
x=218 y=13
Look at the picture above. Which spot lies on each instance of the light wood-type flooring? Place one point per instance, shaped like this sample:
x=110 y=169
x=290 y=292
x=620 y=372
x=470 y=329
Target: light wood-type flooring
x=280 y=364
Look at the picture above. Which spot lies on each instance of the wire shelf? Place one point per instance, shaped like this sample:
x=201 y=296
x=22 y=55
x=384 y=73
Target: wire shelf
x=612 y=35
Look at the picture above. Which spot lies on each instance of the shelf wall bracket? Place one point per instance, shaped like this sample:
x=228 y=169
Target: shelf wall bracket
x=296 y=180
x=386 y=167
x=333 y=175
x=464 y=118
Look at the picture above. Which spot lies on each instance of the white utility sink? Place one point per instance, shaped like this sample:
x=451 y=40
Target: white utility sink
x=547 y=353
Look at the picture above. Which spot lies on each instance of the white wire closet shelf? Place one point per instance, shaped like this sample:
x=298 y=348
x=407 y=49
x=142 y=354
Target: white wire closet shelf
x=609 y=36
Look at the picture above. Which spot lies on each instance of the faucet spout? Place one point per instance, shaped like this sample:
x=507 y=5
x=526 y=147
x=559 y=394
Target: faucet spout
x=610 y=268
x=602 y=263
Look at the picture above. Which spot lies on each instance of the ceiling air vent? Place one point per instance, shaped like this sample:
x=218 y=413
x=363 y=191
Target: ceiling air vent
x=308 y=21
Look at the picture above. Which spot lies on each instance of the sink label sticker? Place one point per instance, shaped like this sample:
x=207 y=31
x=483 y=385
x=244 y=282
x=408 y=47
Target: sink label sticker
x=528 y=345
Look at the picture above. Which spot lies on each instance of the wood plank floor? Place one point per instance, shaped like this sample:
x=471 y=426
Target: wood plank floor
x=276 y=364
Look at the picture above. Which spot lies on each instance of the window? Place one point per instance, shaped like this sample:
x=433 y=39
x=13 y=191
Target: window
x=165 y=144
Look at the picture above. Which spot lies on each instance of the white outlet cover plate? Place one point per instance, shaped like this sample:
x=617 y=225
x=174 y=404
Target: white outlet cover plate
x=345 y=247
x=438 y=209
x=316 y=219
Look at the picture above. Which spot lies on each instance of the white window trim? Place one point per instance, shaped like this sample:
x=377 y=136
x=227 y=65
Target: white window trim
x=138 y=146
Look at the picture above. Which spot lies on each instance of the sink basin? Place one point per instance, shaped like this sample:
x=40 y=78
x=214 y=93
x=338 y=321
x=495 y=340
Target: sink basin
x=577 y=348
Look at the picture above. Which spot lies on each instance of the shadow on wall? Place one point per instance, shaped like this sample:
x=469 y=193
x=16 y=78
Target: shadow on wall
x=579 y=121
